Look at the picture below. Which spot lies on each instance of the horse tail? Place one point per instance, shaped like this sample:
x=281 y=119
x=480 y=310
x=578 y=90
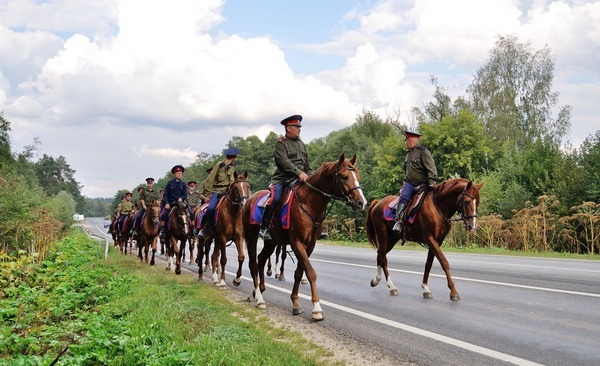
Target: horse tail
x=369 y=224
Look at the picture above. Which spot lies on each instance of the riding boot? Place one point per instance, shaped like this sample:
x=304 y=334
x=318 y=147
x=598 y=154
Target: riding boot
x=161 y=233
x=201 y=234
x=399 y=216
x=264 y=231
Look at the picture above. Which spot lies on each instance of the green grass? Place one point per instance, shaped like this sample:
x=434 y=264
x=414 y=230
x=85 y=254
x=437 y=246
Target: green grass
x=80 y=309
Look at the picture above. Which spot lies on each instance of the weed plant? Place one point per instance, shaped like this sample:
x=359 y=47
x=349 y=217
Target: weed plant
x=75 y=308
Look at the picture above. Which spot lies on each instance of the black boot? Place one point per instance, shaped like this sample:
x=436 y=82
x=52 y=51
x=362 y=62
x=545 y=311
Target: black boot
x=266 y=222
x=399 y=216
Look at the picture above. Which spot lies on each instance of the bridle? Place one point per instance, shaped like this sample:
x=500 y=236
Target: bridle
x=345 y=195
x=461 y=203
x=241 y=198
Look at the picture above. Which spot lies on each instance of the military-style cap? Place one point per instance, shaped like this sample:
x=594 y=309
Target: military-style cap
x=411 y=134
x=192 y=182
x=177 y=168
x=128 y=194
x=292 y=120
x=140 y=188
x=149 y=180
x=232 y=151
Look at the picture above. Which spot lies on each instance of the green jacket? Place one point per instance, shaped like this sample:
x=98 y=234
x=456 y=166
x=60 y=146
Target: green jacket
x=149 y=196
x=291 y=159
x=220 y=178
x=419 y=166
x=126 y=208
x=193 y=199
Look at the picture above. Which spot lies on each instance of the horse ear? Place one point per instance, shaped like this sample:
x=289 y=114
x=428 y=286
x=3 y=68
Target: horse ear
x=478 y=186
x=342 y=158
x=245 y=174
x=235 y=174
x=353 y=160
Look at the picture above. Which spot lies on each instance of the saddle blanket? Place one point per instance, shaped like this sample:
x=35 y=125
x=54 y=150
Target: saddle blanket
x=257 y=210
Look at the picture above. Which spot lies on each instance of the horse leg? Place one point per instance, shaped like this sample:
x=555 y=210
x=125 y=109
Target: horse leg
x=251 y=246
x=178 y=247
x=199 y=256
x=269 y=267
x=153 y=250
x=215 y=264
x=277 y=263
x=223 y=253
x=454 y=296
x=304 y=265
x=207 y=266
x=281 y=249
x=239 y=244
x=428 y=264
x=191 y=248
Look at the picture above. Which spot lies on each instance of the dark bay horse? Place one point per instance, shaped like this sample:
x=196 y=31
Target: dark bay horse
x=148 y=233
x=124 y=232
x=177 y=233
x=227 y=225
x=431 y=224
x=337 y=180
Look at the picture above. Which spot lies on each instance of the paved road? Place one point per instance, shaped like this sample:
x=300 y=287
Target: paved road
x=513 y=310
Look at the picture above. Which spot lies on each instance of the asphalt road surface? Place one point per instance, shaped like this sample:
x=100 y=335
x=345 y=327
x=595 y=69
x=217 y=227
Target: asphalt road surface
x=513 y=310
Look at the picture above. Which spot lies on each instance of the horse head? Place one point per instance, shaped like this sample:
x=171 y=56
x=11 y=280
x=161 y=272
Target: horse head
x=345 y=178
x=466 y=199
x=154 y=211
x=239 y=190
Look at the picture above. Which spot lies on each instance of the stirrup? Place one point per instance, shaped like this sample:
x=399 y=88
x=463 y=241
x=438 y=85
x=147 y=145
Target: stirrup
x=397 y=227
x=265 y=233
x=201 y=233
x=161 y=233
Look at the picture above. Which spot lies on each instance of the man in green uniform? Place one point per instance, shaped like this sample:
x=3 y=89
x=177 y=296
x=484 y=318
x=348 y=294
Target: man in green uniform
x=147 y=196
x=217 y=183
x=419 y=169
x=126 y=208
x=291 y=160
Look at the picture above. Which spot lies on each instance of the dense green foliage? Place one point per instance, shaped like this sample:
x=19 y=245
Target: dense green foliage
x=78 y=309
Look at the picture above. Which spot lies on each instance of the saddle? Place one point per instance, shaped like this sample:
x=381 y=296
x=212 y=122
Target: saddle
x=412 y=208
x=256 y=212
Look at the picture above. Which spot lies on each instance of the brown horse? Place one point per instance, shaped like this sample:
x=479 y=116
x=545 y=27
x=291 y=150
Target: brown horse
x=177 y=233
x=430 y=226
x=124 y=234
x=226 y=226
x=148 y=233
x=337 y=180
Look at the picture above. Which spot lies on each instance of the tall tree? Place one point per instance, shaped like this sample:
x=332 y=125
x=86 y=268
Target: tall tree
x=6 y=157
x=590 y=161
x=56 y=175
x=512 y=93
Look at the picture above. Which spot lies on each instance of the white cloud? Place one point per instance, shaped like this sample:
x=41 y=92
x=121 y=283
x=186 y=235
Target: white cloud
x=148 y=82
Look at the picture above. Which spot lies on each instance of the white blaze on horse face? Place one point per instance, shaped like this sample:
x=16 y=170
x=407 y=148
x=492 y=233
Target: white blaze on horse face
x=362 y=196
x=474 y=202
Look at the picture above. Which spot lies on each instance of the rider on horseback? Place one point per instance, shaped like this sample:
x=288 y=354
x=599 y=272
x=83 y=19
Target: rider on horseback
x=175 y=192
x=291 y=159
x=419 y=169
x=217 y=183
x=147 y=196
x=125 y=209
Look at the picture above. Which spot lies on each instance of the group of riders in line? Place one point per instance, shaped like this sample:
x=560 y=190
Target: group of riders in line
x=292 y=165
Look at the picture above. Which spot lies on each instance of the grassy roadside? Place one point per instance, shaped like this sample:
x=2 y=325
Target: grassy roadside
x=78 y=309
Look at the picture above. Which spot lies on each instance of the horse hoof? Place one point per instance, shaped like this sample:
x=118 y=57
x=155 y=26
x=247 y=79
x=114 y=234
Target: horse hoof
x=297 y=311
x=304 y=281
x=269 y=273
x=374 y=283
x=281 y=278
x=237 y=281
x=262 y=305
x=427 y=295
x=152 y=262
x=394 y=292
x=455 y=297
x=178 y=271
x=222 y=284
x=317 y=316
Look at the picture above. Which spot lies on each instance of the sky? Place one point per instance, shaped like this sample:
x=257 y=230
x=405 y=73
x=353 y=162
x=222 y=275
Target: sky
x=126 y=89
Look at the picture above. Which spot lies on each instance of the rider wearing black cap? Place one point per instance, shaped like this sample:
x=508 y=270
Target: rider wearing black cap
x=291 y=159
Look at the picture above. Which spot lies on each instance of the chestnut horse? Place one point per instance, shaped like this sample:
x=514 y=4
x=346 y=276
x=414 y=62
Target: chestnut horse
x=337 y=180
x=148 y=233
x=124 y=234
x=227 y=225
x=430 y=226
x=177 y=233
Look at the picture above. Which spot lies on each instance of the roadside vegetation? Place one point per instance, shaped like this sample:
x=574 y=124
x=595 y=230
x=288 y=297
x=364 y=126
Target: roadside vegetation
x=75 y=308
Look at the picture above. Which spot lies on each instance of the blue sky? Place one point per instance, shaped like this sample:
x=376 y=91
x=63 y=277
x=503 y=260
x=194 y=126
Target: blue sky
x=188 y=75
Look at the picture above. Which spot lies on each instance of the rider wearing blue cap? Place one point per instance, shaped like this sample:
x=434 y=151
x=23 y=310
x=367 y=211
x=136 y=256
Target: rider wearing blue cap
x=175 y=192
x=217 y=183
